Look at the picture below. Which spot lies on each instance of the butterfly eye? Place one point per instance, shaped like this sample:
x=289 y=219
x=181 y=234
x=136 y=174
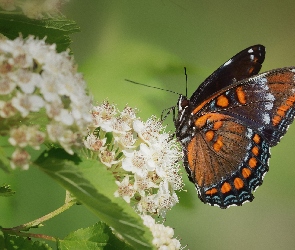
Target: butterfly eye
x=183 y=102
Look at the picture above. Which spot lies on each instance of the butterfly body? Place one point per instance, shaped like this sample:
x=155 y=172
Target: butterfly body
x=229 y=124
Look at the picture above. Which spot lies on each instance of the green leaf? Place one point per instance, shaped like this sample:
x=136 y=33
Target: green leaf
x=5 y=190
x=19 y=243
x=98 y=236
x=94 y=187
x=56 y=30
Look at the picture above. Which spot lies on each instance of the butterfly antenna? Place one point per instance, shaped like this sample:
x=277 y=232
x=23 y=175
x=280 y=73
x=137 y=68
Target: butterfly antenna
x=185 y=81
x=142 y=84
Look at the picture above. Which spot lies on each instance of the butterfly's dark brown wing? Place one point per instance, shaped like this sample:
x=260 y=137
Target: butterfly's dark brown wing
x=243 y=65
x=226 y=139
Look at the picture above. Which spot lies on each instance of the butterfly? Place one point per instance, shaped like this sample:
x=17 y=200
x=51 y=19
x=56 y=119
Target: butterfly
x=226 y=128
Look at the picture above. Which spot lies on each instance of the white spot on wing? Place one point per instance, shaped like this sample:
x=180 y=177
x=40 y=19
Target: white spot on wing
x=270 y=97
x=252 y=57
x=268 y=106
x=263 y=83
x=250 y=51
x=228 y=62
x=249 y=133
x=266 y=118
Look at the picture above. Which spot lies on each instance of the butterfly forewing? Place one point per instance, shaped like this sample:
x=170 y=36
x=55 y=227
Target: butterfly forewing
x=227 y=128
x=243 y=65
x=264 y=103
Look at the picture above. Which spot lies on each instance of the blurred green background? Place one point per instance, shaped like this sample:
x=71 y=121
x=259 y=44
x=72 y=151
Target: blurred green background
x=150 y=42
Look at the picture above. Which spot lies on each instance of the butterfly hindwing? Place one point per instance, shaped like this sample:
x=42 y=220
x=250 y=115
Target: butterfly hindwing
x=226 y=160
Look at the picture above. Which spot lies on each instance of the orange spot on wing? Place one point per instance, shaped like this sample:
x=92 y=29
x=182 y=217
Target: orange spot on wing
x=225 y=187
x=217 y=125
x=200 y=122
x=281 y=110
x=253 y=162
x=241 y=95
x=284 y=108
x=218 y=144
x=238 y=182
x=210 y=117
x=211 y=191
x=276 y=120
x=251 y=70
x=290 y=101
x=222 y=101
x=246 y=172
x=281 y=113
x=256 y=139
x=209 y=135
x=255 y=150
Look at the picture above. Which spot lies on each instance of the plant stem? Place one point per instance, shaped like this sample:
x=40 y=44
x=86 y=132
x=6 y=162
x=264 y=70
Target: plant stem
x=36 y=223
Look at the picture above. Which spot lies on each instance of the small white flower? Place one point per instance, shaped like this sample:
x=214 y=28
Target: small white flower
x=108 y=158
x=80 y=111
x=167 y=198
x=120 y=126
x=6 y=85
x=148 y=131
x=35 y=137
x=141 y=185
x=53 y=109
x=136 y=162
x=66 y=137
x=20 y=158
x=26 y=103
x=49 y=87
x=65 y=117
x=125 y=189
x=55 y=131
x=26 y=80
x=6 y=109
x=18 y=136
x=15 y=48
x=125 y=140
x=104 y=116
x=128 y=115
x=93 y=143
x=148 y=204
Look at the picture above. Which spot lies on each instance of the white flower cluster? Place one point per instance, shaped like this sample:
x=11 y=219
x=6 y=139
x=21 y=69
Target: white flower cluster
x=40 y=86
x=143 y=158
x=163 y=236
x=35 y=9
